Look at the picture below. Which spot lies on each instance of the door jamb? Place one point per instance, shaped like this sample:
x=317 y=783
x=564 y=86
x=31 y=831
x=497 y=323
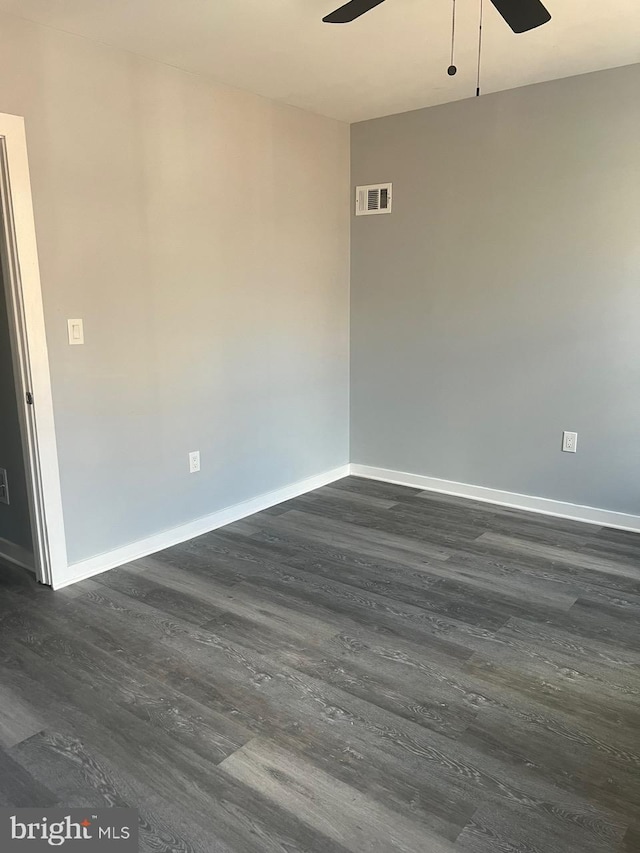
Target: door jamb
x=29 y=345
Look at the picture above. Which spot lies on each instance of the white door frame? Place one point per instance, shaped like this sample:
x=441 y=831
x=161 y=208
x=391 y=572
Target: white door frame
x=29 y=346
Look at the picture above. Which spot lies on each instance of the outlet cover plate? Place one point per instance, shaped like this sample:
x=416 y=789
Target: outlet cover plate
x=194 y=461
x=569 y=442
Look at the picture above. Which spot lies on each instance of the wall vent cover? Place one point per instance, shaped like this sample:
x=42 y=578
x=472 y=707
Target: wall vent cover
x=373 y=199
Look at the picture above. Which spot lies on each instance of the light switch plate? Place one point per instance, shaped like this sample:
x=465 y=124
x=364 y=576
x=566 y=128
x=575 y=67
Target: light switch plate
x=76 y=332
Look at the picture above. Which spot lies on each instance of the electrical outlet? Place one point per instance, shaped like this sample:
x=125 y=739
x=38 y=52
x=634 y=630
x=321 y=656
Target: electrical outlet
x=569 y=442
x=194 y=461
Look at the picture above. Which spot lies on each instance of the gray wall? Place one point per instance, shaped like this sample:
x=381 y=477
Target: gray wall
x=203 y=235
x=15 y=524
x=500 y=302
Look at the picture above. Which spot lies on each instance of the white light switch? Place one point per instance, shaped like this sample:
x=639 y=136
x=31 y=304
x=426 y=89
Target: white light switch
x=76 y=332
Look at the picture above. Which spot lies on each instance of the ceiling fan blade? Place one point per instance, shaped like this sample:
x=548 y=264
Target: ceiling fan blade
x=351 y=11
x=522 y=15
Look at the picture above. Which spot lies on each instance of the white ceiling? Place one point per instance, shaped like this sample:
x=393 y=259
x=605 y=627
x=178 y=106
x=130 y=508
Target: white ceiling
x=392 y=59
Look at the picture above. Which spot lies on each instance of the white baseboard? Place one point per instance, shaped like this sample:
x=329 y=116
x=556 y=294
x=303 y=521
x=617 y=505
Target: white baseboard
x=545 y=506
x=144 y=547
x=16 y=554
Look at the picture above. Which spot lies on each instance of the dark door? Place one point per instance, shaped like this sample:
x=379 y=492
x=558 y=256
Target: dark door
x=15 y=521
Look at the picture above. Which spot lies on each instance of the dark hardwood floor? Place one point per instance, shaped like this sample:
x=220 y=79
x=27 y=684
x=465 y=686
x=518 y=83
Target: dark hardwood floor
x=366 y=668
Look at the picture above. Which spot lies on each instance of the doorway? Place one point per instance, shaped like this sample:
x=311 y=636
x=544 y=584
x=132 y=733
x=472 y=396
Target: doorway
x=31 y=519
x=16 y=535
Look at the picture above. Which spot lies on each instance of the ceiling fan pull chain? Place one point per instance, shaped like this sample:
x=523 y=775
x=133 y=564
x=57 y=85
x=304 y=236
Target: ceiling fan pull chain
x=479 y=48
x=451 y=70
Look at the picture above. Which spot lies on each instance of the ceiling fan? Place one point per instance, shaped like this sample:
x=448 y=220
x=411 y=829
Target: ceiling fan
x=521 y=15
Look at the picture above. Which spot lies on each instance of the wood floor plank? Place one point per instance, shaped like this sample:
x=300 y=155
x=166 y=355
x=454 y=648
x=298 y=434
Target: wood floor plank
x=447 y=512
x=333 y=808
x=631 y=840
x=376 y=679
x=168 y=777
x=377 y=520
x=19 y=788
x=84 y=780
x=496 y=511
x=376 y=488
x=307 y=699
x=300 y=527
x=422 y=619
x=342 y=497
x=96 y=673
x=17 y=719
x=514 y=828
x=562 y=750
x=295 y=592
x=366 y=667
x=270 y=615
x=564 y=556
x=422 y=590
x=140 y=586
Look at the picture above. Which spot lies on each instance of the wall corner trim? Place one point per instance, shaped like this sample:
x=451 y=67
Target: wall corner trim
x=175 y=535
x=544 y=506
